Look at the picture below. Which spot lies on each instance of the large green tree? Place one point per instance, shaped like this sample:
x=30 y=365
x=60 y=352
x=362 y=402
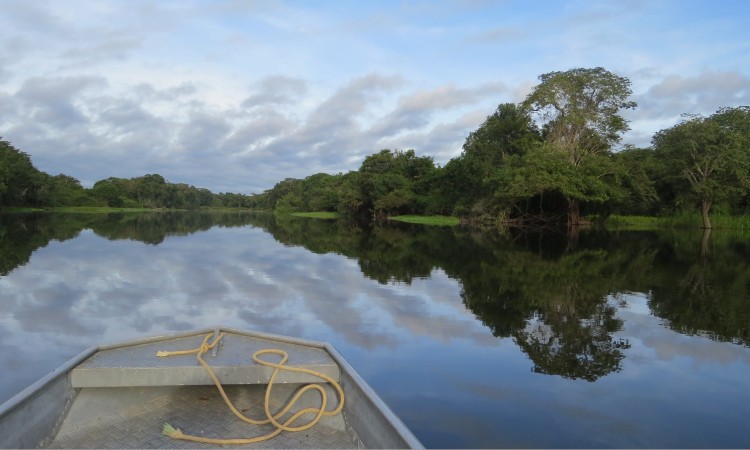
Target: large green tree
x=20 y=182
x=506 y=133
x=387 y=181
x=579 y=112
x=711 y=155
x=543 y=186
x=642 y=182
x=65 y=190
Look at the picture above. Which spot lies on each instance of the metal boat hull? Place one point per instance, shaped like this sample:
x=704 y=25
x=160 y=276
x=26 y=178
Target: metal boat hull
x=120 y=395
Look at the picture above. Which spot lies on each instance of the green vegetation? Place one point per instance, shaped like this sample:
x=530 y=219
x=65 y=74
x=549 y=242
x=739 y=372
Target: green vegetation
x=732 y=222
x=95 y=209
x=428 y=220
x=24 y=186
x=20 y=209
x=683 y=220
x=549 y=160
x=579 y=113
x=694 y=220
x=709 y=157
x=617 y=222
x=317 y=215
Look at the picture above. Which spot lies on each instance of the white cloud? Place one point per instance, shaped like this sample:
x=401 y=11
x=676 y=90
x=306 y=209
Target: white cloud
x=415 y=111
x=276 y=89
x=665 y=97
x=202 y=132
x=217 y=94
x=701 y=93
x=56 y=102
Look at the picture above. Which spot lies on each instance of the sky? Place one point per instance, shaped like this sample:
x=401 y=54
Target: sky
x=235 y=96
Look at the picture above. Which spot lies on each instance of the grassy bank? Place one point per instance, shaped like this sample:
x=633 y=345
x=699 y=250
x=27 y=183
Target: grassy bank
x=19 y=209
x=74 y=209
x=97 y=209
x=694 y=220
x=317 y=215
x=632 y=223
x=109 y=209
x=684 y=220
x=445 y=221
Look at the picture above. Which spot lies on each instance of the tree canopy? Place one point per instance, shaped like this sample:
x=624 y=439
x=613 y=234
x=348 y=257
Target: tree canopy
x=579 y=113
x=579 y=110
x=550 y=159
x=709 y=157
x=22 y=184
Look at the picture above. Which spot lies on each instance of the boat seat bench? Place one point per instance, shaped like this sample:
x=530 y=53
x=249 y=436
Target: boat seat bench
x=139 y=366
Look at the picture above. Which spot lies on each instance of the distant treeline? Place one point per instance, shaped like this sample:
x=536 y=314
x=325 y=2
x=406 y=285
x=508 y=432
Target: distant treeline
x=549 y=159
x=23 y=185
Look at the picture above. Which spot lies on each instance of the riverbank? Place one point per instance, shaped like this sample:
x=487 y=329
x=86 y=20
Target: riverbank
x=317 y=215
x=685 y=220
x=445 y=221
x=109 y=209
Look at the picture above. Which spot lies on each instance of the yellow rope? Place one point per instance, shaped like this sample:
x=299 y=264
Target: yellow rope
x=270 y=418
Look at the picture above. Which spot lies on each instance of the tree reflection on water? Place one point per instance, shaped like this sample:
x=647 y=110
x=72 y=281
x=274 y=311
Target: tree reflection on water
x=557 y=300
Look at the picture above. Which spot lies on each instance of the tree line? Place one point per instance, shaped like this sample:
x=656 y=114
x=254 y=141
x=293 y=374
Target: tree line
x=550 y=158
x=23 y=185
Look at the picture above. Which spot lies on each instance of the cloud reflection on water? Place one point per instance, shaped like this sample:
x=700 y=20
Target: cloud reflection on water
x=415 y=341
x=90 y=290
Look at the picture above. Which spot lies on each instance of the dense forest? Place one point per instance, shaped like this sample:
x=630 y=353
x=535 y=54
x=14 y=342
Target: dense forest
x=549 y=159
x=23 y=185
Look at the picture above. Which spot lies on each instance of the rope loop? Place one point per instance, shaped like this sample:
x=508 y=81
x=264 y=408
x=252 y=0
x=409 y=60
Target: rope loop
x=271 y=418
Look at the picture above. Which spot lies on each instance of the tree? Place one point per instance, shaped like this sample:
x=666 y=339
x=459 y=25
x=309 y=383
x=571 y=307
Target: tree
x=579 y=114
x=319 y=192
x=349 y=200
x=67 y=191
x=281 y=189
x=151 y=190
x=387 y=180
x=546 y=179
x=107 y=191
x=508 y=132
x=20 y=181
x=643 y=181
x=711 y=154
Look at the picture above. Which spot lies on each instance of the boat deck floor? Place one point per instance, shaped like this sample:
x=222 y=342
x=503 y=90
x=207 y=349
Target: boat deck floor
x=196 y=410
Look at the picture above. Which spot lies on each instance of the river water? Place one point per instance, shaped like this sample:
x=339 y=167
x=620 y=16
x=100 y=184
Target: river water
x=475 y=339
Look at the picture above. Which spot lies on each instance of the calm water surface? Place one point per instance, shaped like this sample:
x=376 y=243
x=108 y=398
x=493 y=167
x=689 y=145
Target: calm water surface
x=474 y=339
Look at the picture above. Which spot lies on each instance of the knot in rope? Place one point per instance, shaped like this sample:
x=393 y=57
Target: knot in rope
x=200 y=351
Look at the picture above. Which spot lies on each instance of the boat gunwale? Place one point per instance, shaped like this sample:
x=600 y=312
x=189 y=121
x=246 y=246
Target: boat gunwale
x=64 y=369
x=38 y=386
x=390 y=417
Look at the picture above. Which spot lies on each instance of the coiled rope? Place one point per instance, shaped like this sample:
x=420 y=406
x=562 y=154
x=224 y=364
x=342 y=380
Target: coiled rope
x=270 y=418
